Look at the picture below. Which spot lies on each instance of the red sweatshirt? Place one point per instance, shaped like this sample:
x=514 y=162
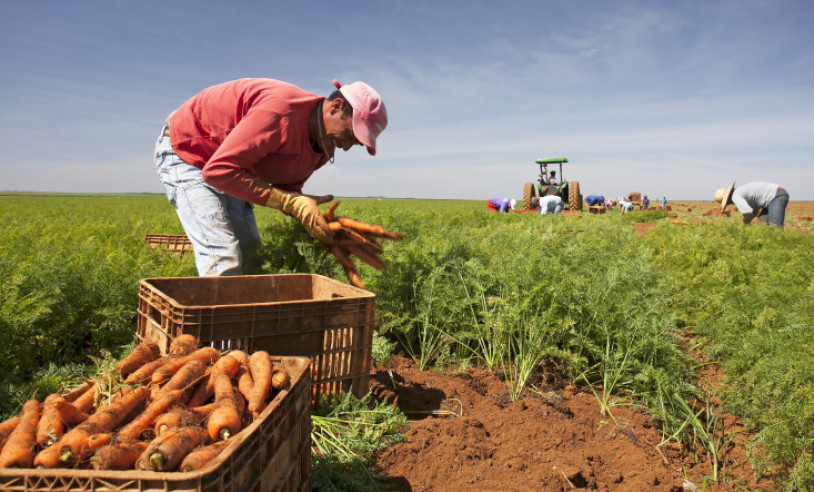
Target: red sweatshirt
x=247 y=135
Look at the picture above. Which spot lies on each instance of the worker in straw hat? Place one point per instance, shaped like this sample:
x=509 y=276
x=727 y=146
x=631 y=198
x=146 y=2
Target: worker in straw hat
x=766 y=201
x=251 y=142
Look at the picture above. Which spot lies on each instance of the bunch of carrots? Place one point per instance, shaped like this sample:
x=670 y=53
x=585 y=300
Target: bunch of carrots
x=354 y=238
x=175 y=413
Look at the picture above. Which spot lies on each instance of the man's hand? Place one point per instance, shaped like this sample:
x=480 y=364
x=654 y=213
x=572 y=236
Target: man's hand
x=304 y=209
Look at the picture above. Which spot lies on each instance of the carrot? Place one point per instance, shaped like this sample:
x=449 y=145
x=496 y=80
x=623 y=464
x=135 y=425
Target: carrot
x=373 y=230
x=260 y=367
x=330 y=211
x=227 y=365
x=74 y=444
x=176 y=417
x=224 y=421
x=185 y=379
x=120 y=456
x=7 y=427
x=85 y=402
x=207 y=355
x=348 y=266
x=165 y=452
x=68 y=412
x=96 y=441
x=145 y=372
x=133 y=429
x=19 y=448
x=241 y=357
x=77 y=391
x=245 y=383
x=50 y=427
x=143 y=353
x=201 y=456
x=48 y=457
x=279 y=378
x=367 y=256
x=183 y=344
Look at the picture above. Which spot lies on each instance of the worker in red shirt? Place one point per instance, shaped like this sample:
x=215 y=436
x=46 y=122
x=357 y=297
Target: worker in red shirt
x=255 y=142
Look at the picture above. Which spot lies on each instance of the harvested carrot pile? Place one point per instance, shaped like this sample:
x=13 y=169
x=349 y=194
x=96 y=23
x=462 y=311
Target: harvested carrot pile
x=171 y=413
x=354 y=238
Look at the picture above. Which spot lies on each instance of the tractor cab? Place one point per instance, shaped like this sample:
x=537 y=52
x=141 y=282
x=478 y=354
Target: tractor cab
x=549 y=183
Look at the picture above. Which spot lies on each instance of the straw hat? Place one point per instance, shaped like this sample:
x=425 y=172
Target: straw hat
x=724 y=195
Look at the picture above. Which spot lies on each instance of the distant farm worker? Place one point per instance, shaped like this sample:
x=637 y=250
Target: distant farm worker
x=595 y=200
x=625 y=206
x=256 y=141
x=500 y=204
x=766 y=201
x=609 y=203
x=551 y=204
x=645 y=203
x=663 y=202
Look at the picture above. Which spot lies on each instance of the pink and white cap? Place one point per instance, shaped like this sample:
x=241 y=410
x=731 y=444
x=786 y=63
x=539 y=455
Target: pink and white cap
x=369 y=113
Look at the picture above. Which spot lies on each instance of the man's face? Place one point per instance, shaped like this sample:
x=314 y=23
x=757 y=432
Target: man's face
x=338 y=129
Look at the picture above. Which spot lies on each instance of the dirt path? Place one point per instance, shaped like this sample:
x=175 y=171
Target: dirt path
x=466 y=434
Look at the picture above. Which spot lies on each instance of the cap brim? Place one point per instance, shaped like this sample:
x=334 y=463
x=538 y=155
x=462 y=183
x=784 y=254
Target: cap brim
x=364 y=134
x=727 y=196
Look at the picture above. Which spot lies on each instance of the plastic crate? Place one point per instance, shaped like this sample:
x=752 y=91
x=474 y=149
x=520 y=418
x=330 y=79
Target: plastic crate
x=293 y=314
x=272 y=454
x=171 y=242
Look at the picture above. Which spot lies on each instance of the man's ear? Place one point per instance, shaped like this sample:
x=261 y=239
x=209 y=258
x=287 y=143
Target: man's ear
x=336 y=105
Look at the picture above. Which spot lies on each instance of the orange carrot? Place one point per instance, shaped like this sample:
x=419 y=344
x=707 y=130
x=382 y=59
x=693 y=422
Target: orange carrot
x=77 y=391
x=207 y=355
x=348 y=266
x=19 y=448
x=183 y=344
x=330 y=211
x=48 y=457
x=7 y=427
x=260 y=367
x=145 y=372
x=373 y=230
x=176 y=417
x=224 y=421
x=227 y=365
x=143 y=353
x=133 y=429
x=185 y=379
x=241 y=357
x=201 y=456
x=279 y=378
x=96 y=441
x=74 y=444
x=120 y=456
x=50 y=427
x=166 y=451
x=245 y=383
x=86 y=401
x=367 y=256
x=68 y=412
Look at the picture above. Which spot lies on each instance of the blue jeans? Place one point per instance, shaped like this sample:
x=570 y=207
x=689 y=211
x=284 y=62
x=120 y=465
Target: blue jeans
x=775 y=213
x=221 y=228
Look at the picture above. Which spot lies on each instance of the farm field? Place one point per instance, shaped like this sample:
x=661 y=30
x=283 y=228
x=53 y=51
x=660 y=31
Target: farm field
x=578 y=351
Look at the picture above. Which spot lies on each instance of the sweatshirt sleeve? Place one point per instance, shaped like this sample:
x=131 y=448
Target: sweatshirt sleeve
x=740 y=202
x=258 y=134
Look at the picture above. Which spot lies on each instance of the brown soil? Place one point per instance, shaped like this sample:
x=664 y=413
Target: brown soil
x=466 y=434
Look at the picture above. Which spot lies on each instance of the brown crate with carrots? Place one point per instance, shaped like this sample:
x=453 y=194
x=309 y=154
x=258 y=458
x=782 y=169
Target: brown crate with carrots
x=176 y=425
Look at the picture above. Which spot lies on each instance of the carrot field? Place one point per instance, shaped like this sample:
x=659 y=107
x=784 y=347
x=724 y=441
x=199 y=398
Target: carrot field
x=698 y=323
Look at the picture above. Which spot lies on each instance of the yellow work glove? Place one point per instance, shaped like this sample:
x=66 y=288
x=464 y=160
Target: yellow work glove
x=304 y=209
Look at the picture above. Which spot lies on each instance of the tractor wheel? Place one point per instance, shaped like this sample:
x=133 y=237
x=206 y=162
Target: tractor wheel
x=574 y=196
x=528 y=194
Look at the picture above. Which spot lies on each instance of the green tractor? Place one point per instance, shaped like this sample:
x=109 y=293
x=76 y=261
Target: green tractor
x=548 y=184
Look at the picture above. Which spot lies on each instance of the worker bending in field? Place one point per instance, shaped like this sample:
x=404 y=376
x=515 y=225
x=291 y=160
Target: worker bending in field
x=500 y=204
x=551 y=204
x=595 y=200
x=254 y=142
x=766 y=201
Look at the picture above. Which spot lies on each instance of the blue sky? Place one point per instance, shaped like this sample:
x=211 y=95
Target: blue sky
x=665 y=98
